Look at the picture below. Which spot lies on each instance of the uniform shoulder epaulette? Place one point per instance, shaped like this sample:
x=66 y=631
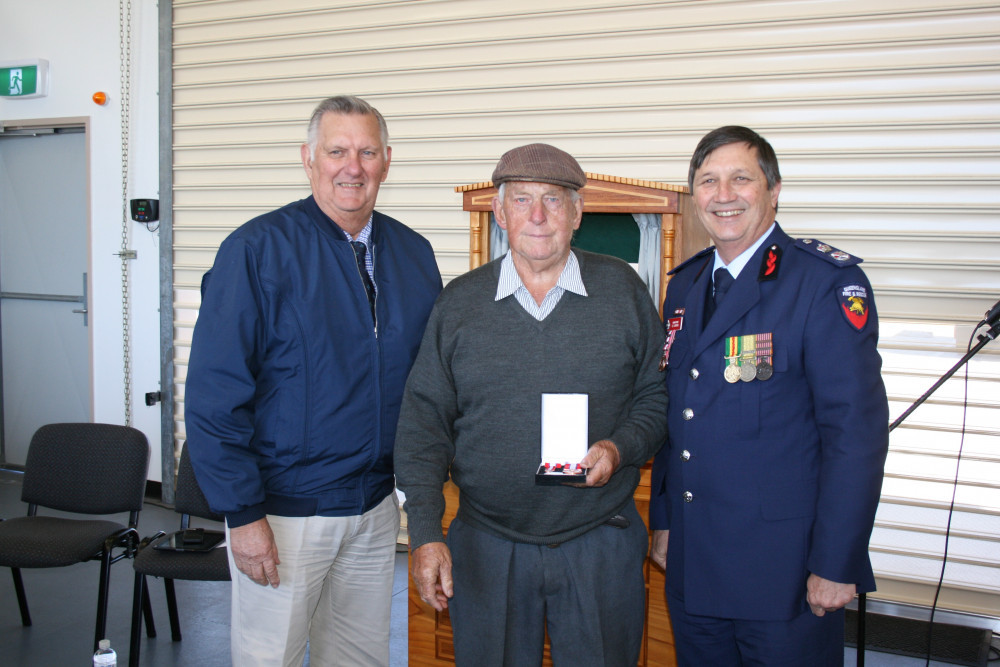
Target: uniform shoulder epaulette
x=827 y=252
x=710 y=249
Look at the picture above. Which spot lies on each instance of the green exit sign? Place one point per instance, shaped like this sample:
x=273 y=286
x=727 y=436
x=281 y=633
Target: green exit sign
x=24 y=78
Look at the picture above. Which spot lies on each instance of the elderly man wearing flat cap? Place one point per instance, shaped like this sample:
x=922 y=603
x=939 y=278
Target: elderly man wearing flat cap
x=523 y=557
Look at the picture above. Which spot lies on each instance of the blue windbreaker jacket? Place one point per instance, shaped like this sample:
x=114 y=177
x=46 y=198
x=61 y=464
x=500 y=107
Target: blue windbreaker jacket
x=292 y=396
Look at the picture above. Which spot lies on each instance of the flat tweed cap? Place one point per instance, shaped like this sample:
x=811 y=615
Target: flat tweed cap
x=540 y=163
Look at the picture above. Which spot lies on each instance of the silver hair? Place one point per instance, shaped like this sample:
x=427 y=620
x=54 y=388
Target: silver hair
x=345 y=104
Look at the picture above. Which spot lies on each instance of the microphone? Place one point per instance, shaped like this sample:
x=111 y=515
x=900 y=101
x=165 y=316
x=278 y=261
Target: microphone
x=992 y=315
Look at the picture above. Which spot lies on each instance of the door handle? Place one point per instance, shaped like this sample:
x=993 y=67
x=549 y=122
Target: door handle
x=31 y=296
x=83 y=299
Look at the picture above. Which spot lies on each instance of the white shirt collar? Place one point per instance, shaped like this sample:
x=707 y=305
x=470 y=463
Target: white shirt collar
x=569 y=280
x=737 y=265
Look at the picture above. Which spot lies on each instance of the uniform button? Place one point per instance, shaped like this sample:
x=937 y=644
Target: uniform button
x=685 y=455
x=694 y=373
x=688 y=496
x=688 y=414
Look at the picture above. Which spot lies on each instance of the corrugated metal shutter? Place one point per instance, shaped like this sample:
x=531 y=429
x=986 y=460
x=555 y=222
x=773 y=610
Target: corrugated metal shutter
x=884 y=116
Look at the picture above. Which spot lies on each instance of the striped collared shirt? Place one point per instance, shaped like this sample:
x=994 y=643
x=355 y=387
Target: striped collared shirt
x=511 y=283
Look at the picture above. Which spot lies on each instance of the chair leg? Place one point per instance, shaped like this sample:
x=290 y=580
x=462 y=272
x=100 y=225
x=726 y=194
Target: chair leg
x=138 y=595
x=175 y=621
x=22 y=600
x=100 y=627
x=147 y=609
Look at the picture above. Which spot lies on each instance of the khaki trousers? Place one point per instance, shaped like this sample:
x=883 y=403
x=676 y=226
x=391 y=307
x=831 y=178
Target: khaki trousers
x=336 y=592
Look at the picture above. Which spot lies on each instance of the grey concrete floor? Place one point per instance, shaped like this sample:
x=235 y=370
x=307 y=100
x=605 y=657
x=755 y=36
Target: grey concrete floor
x=63 y=603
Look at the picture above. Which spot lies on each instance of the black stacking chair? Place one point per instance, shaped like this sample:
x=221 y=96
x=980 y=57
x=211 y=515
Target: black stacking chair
x=82 y=468
x=210 y=565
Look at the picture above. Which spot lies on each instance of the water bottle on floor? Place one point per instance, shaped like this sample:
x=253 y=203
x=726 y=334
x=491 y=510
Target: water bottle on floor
x=105 y=655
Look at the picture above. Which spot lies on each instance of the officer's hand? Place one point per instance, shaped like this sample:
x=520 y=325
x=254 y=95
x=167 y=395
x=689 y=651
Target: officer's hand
x=658 y=548
x=602 y=459
x=255 y=553
x=824 y=595
x=432 y=574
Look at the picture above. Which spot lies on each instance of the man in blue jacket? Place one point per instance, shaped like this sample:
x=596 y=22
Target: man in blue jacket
x=310 y=320
x=778 y=427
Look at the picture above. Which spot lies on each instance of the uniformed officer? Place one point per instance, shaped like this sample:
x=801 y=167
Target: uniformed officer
x=767 y=490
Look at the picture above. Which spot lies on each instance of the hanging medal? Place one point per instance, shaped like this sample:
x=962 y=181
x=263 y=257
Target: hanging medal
x=748 y=358
x=665 y=359
x=765 y=347
x=732 y=352
x=674 y=324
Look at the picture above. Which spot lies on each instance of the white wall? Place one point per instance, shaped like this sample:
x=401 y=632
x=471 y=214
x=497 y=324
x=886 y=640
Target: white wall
x=81 y=42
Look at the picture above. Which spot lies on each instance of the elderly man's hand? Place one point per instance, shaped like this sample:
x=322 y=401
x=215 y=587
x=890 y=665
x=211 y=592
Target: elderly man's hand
x=602 y=460
x=255 y=553
x=432 y=574
x=658 y=547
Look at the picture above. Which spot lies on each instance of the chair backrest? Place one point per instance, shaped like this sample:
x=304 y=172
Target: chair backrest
x=86 y=468
x=188 y=498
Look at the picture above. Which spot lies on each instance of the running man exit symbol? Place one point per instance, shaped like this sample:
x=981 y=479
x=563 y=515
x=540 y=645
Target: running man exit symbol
x=20 y=79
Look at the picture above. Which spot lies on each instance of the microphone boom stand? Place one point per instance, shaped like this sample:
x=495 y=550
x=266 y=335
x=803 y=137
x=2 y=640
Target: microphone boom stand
x=991 y=334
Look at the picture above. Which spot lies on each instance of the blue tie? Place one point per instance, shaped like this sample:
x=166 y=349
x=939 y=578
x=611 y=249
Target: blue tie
x=723 y=281
x=359 y=254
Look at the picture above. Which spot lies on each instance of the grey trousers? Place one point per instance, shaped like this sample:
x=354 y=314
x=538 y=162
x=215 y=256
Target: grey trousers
x=588 y=592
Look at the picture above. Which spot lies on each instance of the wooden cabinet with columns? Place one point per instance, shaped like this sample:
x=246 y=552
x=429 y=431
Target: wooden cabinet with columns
x=430 y=636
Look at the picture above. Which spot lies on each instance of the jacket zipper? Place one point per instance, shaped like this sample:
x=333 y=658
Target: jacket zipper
x=374 y=307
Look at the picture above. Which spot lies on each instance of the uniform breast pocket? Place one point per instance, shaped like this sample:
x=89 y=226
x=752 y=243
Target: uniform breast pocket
x=749 y=410
x=772 y=385
x=758 y=393
x=779 y=361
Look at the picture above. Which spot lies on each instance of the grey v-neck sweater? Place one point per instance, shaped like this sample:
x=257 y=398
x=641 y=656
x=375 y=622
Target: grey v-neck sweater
x=472 y=405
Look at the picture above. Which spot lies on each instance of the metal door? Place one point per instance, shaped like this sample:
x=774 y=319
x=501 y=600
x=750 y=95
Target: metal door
x=44 y=335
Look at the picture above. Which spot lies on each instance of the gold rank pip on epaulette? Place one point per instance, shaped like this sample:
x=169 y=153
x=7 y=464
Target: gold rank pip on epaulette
x=749 y=357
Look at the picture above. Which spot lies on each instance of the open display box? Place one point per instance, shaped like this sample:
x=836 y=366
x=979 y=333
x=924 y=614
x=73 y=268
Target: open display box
x=564 y=439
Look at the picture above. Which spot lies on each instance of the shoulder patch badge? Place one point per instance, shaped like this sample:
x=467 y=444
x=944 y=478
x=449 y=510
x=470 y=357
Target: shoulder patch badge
x=854 y=305
x=827 y=252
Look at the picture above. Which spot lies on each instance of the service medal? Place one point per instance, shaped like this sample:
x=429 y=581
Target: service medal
x=732 y=373
x=748 y=358
x=732 y=352
x=674 y=324
x=764 y=347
